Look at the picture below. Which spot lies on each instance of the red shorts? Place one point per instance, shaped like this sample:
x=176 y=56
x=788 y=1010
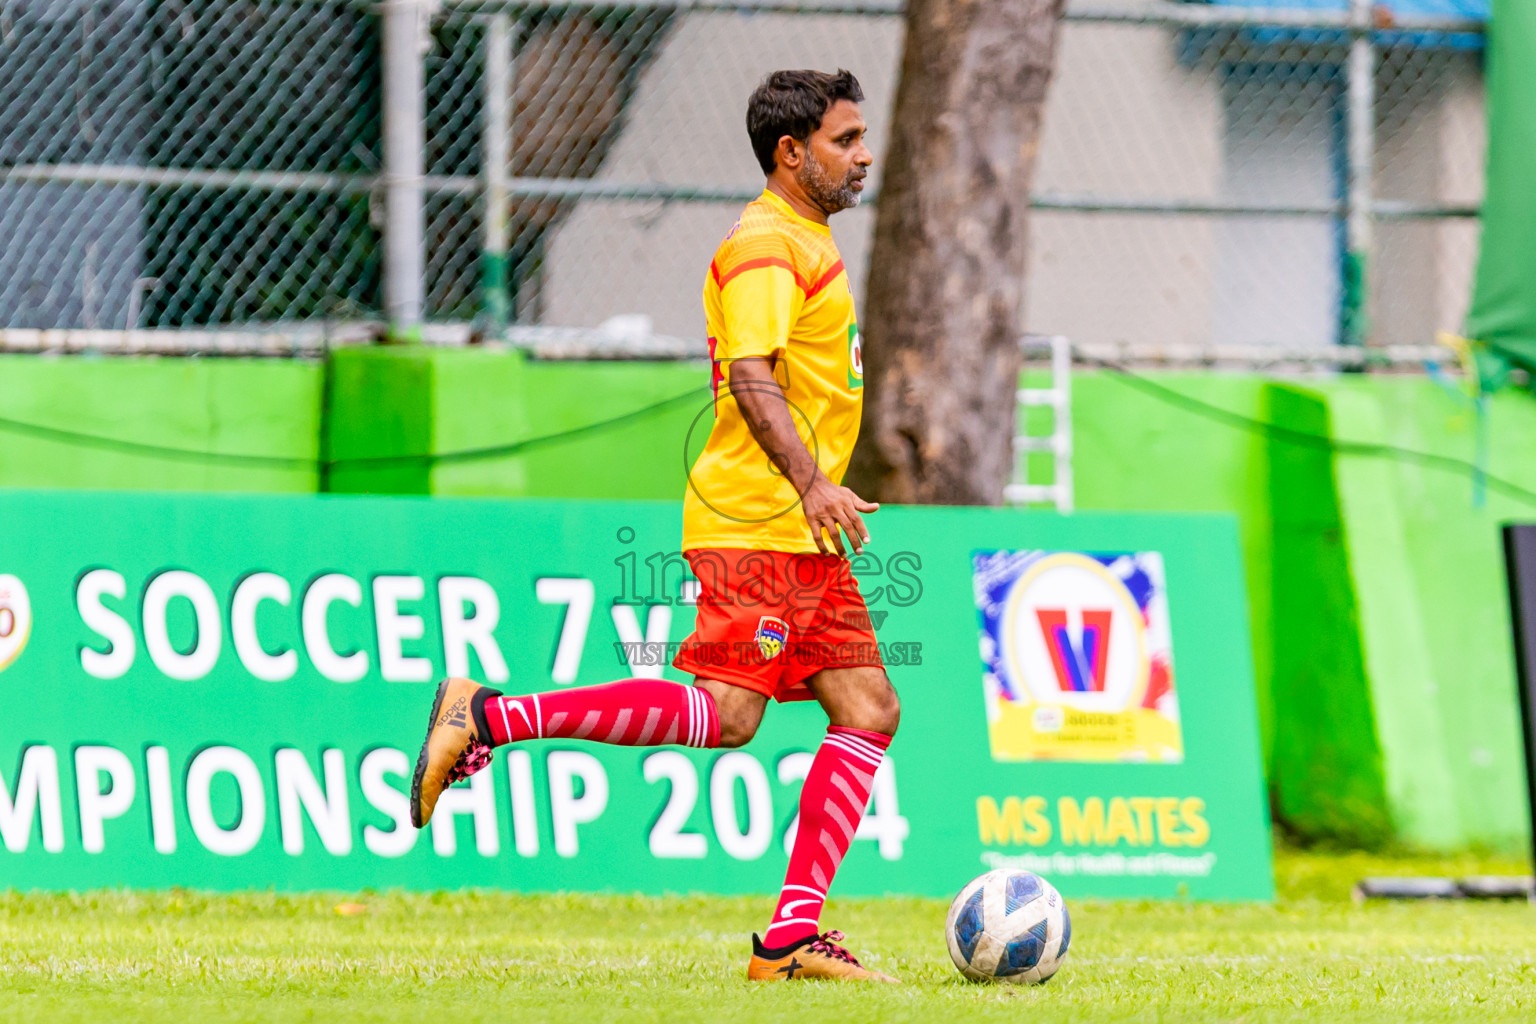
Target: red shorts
x=769 y=620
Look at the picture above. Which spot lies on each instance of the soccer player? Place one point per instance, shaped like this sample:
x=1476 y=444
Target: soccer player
x=767 y=529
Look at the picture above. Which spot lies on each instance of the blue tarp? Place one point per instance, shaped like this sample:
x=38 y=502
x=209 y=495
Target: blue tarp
x=1443 y=8
x=1389 y=38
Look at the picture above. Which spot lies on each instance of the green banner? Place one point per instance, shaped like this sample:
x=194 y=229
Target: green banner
x=228 y=692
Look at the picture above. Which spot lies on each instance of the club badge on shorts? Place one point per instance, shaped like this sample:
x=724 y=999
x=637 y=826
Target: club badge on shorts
x=771 y=633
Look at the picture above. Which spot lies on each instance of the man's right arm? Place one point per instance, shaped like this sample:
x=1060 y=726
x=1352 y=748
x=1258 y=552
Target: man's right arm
x=765 y=409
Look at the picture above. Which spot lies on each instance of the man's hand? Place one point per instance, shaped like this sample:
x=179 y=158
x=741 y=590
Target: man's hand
x=830 y=507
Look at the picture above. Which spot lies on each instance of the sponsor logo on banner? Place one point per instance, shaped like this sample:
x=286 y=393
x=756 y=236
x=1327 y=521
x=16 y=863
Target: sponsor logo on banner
x=1077 y=656
x=771 y=633
x=15 y=619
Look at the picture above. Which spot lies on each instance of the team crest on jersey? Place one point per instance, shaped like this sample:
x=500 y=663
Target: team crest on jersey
x=771 y=634
x=855 y=358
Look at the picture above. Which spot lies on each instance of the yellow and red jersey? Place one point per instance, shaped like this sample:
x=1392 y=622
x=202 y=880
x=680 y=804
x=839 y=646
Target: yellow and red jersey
x=776 y=288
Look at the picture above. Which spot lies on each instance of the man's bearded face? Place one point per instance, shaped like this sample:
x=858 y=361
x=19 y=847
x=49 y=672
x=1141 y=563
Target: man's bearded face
x=825 y=189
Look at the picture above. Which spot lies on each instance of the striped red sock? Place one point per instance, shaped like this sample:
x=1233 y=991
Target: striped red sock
x=630 y=713
x=831 y=805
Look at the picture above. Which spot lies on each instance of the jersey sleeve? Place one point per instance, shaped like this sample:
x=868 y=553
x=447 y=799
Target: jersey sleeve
x=760 y=298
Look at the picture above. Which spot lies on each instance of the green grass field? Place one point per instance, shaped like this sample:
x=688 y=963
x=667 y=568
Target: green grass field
x=117 y=957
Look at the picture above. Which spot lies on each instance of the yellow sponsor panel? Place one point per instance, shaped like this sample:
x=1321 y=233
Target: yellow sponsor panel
x=1141 y=734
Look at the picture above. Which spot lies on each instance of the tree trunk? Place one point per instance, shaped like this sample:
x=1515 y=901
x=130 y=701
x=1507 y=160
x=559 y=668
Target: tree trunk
x=941 y=332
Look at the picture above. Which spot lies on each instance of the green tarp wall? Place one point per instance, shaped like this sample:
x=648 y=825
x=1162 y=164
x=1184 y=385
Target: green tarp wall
x=1380 y=633
x=1503 y=313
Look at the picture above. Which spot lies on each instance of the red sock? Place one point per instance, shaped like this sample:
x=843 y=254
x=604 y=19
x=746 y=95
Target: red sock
x=630 y=713
x=831 y=805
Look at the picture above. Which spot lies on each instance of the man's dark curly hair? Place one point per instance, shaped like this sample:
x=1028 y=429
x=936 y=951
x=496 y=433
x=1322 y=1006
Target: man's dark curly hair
x=793 y=103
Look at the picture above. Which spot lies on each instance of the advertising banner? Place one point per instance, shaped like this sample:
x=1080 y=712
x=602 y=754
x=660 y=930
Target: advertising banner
x=228 y=692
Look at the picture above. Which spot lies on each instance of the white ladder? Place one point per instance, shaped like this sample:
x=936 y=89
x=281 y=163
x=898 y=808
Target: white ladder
x=1059 y=442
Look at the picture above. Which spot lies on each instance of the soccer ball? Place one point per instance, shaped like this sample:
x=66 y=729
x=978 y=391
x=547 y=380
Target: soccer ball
x=1008 y=926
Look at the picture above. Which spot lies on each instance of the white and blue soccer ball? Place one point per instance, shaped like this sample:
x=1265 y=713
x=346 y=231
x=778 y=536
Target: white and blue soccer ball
x=1008 y=925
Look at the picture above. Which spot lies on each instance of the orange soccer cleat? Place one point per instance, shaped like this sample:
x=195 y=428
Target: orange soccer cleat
x=818 y=956
x=458 y=744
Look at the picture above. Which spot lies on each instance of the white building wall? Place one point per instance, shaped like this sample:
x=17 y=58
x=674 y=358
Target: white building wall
x=687 y=125
x=1126 y=119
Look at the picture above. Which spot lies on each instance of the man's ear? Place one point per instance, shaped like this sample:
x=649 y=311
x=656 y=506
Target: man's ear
x=789 y=152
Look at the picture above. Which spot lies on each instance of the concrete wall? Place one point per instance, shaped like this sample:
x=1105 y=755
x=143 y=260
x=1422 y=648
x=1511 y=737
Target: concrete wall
x=266 y=408
x=1433 y=150
x=686 y=125
x=1381 y=635
x=389 y=403
x=1123 y=119
x=1325 y=765
x=1434 y=628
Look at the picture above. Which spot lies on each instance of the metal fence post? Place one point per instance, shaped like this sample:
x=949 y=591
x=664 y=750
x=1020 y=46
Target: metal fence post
x=495 y=155
x=1361 y=127
x=405 y=25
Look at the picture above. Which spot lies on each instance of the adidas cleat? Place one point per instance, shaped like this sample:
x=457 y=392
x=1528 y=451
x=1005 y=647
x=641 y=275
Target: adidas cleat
x=458 y=744
x=818 y=956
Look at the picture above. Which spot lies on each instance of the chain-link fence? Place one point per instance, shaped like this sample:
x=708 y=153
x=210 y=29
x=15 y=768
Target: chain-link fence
x=169 y=164
x=185 y=163
x=1205 y=179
